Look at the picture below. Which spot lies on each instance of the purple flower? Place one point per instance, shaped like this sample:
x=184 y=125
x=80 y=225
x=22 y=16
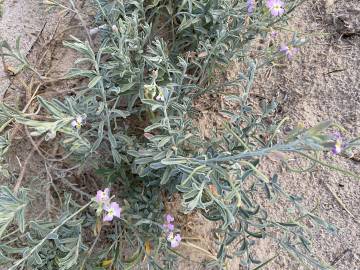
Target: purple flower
x=174 y=240
x=339 y=144
x=169 y=218
x=160 y=97
x=103 y=196
x=112 y=210
x=251 y=6
x=168 y=226
x=274 y=34
x=289 y=51
x=78 y=121
x=276 y=7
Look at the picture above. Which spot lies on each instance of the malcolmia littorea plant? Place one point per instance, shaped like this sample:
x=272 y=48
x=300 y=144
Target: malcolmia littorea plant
x=135 y=123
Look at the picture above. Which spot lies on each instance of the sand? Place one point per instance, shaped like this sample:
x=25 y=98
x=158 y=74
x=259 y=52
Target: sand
x=322 y=82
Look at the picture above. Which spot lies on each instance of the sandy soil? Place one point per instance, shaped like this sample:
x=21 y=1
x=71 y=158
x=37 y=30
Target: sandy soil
x=41 y=33
x=323 y=82
x=23 y=19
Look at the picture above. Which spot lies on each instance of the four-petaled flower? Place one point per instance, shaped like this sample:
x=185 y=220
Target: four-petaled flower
x=103 y=196
x=168 y=226
x=339 y=144
x=276 y=7
x=289 y=51
x=113 y=210
x=251 y=6
x=169 y=218
x=274 y=34
x=114 y=28
x=78 y=122
x=174 y=239
x=160 y=96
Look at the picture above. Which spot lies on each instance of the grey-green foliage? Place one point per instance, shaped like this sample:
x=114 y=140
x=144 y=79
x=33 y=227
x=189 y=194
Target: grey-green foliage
x=220 y=177
x=154 y=58
x=22 y=62
x=44 y=248
x=200 y=37
x=12 y=206
x=4 y=147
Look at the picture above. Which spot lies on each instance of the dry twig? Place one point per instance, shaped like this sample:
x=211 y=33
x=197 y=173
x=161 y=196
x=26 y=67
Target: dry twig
x=24 y=166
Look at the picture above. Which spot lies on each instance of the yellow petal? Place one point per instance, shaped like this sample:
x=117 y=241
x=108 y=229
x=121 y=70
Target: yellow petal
x=147 y=247
x=106 y=263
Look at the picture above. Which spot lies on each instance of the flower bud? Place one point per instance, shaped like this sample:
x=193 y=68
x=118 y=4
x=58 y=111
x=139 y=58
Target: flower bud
x=114 y=28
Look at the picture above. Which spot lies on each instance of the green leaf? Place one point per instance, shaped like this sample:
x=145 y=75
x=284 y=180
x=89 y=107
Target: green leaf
x=266 y=262
x=72 y=257
x=186 y=23
x=164 y=141
x=154 y=104
x=94 y=81
x=152 y=127
x=174 y=161
x=11 y=206
x=120 y=113
x=166 y=176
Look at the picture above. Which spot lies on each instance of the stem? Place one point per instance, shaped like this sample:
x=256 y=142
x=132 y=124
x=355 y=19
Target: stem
x=192 y=173
x=236 y=136
x=237 y=193
x=276 y=129
x=168 y=125
x=263 y=176
x=291 y=147
x=189 y=244
x=329 y=165
x=91 y=248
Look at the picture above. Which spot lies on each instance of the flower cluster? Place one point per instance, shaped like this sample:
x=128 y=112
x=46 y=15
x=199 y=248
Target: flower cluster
x=169 y=227
x=112 y=209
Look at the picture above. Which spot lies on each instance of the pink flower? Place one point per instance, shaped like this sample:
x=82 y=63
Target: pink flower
x=339 y=144
x=169 y=218
x=168 y=226
x=251 y=4
x=103 y=196
x=276 y=7
x=289 y=51
x=274 y=34
x=160 y=97
x=113 y=210
x=78 y=121
x=174 y=240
